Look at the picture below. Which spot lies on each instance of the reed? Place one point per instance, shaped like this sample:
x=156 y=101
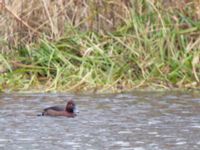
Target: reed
x=120 y=47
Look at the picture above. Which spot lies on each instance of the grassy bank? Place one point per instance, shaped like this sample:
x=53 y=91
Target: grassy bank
x=151 y=47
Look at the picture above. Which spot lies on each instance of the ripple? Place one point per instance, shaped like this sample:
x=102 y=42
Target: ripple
x=26 y=139
x=134 y=121
x=122 y=143
x=181 y=143
x=5 y=140
x=125 y=132
x=195 y=126
x=138 y=148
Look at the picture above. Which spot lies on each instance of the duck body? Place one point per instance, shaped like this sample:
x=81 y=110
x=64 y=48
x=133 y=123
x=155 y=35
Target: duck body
x=68 y=111
x=56 y=108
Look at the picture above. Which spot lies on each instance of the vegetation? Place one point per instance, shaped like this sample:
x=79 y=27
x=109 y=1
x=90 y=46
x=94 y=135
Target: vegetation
x=125 y=45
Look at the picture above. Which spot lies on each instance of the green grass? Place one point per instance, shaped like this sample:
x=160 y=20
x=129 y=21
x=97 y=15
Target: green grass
x=150 y=50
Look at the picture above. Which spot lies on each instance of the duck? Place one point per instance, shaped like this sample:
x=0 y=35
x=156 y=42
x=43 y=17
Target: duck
x=68 y=111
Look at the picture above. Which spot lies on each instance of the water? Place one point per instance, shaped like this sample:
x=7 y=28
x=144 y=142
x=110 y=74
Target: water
x=133 y=121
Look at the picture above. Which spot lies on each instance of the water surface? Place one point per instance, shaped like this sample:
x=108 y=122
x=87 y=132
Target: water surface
x=133 y=121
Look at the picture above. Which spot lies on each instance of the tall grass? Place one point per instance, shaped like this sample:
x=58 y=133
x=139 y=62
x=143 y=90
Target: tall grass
x=124 y=45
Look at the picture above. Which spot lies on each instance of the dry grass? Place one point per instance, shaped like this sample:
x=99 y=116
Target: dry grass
x=23 y=21
x=26 y=20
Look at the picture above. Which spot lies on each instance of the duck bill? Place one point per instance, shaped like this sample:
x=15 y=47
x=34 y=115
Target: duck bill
x=76 y=110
